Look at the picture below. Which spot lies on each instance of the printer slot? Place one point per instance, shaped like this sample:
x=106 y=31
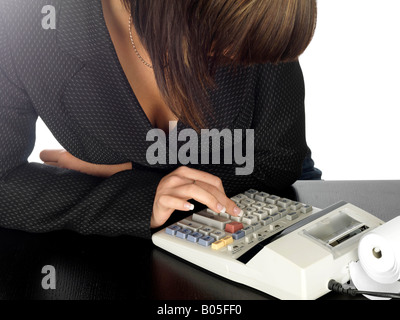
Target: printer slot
x=335 y=230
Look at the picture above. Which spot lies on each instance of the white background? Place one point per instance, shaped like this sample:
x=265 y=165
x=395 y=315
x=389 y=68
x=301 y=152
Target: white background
x=352 y=76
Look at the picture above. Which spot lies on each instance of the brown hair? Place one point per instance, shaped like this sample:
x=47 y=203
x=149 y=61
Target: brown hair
x=187 y=39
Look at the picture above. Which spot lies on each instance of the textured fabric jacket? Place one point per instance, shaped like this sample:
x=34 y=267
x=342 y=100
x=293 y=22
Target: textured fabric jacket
x=71 y=77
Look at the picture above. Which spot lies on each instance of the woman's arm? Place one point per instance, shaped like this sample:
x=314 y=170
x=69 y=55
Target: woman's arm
x=173 y=191
x=63 y=159
x=41 y=198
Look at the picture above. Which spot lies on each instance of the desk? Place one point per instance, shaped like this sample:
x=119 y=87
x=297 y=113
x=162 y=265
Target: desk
x=126 y=268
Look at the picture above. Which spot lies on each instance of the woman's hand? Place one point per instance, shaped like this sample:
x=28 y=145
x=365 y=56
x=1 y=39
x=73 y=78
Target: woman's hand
x=175 y=189
x=63 y=159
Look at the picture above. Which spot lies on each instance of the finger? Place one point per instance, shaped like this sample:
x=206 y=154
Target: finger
x=54 y=164
x=193 y=191
x=170 y=202
x=174 y=180
x=230 y=205
x=50 y=155
x=195 y=174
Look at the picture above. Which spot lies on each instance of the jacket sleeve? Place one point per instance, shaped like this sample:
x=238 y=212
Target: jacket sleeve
x=40 y=198
x=279 y=140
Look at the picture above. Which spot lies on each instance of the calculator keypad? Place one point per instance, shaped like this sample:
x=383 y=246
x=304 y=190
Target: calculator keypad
x=264 y=215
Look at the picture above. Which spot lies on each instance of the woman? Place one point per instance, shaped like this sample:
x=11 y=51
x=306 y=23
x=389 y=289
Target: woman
x=109 y=72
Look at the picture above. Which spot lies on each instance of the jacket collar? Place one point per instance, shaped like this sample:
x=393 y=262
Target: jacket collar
x=82 y=31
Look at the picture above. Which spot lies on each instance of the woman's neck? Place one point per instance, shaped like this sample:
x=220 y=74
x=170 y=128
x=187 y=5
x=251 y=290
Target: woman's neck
x=117 y=19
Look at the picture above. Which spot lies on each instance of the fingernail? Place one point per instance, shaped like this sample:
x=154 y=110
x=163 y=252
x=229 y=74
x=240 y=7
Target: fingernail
x=221 y=208
x=238 y=212
x=188 y=206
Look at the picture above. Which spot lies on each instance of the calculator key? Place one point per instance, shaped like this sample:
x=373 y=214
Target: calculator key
x=256 y=225
x=212 y=211
x=295 y=206
x=251 y=193
x=247 y=202
x=183 y=234
x=248 y=230
x=306 y=209
x=271 y=209
x=249 y=210
x=236 y=219
x=172 y=230
x=275 y=216
x=218 y=245
x=284 y=203
x=239 y=197
x=224 y=215
x=238 y=235
x=261 y=214
x=211 y=220
x=292 y=216
x=258 y=205
x=266 y=221
x=261 y=196
x=283 y=212
x=233 y=227
x=206 y=241
x=272 y=199
x=249 y=219
x=217 y=234
x=194 y=237
x=187 y=224
x=206 y=230
x=227 y=240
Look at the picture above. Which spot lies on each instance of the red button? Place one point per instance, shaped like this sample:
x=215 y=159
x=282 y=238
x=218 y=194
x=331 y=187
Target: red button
x=233 y=227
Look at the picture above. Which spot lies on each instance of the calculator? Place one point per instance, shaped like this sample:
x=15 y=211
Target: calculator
x=285 y=248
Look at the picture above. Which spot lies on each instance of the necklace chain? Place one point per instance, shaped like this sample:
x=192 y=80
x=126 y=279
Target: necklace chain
x=134 y=46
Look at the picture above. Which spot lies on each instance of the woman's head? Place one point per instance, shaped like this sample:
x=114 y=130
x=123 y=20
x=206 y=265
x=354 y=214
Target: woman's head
x=187 y=39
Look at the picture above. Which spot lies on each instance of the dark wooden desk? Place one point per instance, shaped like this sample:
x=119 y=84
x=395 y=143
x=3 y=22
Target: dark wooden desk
x=126 y=268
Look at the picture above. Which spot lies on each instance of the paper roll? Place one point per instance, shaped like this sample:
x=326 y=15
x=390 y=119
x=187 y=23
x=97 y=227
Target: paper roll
x=379 y=252
x=364 y=283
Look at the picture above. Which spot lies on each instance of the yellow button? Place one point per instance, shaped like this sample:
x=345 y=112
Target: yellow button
x=218 y=245
x=227 y=240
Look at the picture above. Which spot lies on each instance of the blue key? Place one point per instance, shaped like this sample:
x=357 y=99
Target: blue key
x=206 y=241
x=172 y=230
x=183 y=234
x=238 y=235
x=194 y=237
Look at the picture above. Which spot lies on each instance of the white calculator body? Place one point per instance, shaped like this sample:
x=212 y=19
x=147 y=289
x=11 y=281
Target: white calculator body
x=284 y=248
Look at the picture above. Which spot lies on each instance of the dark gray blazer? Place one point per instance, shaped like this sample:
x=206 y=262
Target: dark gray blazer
x=72 y=79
